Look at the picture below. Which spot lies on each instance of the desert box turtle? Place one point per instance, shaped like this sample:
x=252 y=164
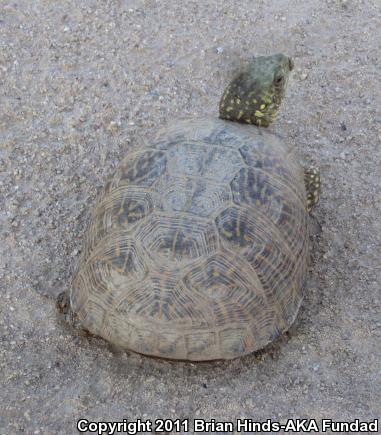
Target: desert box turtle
x=197 y=248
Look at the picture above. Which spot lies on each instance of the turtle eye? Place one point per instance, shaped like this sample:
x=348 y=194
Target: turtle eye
x=279 y=80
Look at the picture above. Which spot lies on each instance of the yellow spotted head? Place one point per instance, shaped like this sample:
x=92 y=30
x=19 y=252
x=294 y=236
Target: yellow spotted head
x=255 y=94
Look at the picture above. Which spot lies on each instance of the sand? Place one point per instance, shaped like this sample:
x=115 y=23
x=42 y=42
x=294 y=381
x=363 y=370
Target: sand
x=82 y=83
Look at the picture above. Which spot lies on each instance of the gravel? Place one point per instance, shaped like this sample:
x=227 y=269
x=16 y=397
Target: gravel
x=83 y=82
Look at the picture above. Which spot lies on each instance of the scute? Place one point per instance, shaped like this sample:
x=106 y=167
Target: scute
x=121 y=208
x=172 y=239
x=235 y=341
x=197 y=248
x=257 y=189
x=197 y=196
x=232 y=288
x=141 y=169
x=206 y=161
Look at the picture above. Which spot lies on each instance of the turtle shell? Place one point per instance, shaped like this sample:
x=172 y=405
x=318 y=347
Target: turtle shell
x=197 y=247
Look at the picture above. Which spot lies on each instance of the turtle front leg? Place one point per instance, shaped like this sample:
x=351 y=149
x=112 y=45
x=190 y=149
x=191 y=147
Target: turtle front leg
x=63 y=302
x=63 y=306
x=313 y=186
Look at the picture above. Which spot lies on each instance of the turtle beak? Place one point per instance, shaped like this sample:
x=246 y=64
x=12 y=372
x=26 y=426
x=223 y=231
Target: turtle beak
x=290 y=64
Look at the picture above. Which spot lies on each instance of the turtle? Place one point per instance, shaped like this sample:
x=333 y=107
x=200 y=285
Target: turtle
x=197 y=247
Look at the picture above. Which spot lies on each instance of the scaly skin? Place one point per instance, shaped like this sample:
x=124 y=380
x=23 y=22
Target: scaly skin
x=255 y=94
x=312 y=183
x=254 y=97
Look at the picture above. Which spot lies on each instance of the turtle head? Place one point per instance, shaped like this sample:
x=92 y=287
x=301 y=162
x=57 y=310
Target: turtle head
x=255 y=94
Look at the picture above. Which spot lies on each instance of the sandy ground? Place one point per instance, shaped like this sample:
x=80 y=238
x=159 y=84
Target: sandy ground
x=81 y=82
